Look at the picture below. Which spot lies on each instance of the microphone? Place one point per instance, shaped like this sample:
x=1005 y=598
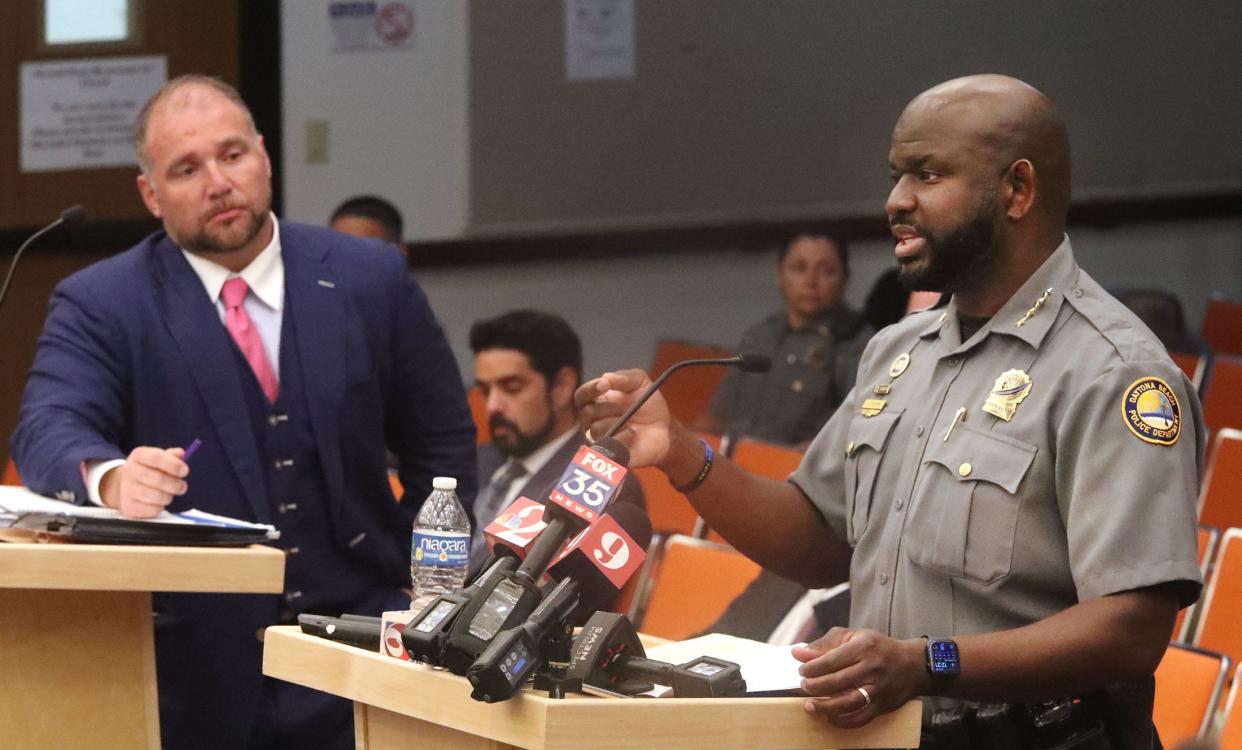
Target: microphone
x=70 y=217
x=747 y=362
x=516 y=528
x=603 y=557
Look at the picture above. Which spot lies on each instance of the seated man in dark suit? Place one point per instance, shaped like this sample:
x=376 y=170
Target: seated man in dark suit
x=528 y=364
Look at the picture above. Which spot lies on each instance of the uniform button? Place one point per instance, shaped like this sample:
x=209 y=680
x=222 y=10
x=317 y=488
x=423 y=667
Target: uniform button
x=918 y=431
x=791 y=358
x=900 y=503
x=883 y=578
x=964 y=469
x=953 y=362
x=1076 y=292
x=796 y=386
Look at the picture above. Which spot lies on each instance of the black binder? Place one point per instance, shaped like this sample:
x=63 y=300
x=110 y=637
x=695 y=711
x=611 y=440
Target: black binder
x=92 y=530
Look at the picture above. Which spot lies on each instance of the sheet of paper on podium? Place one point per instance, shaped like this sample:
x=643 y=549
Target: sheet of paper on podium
x=21 y=509
x=766 y=668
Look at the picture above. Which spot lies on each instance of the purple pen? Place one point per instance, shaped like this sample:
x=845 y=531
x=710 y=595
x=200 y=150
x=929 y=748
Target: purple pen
x=191 y=448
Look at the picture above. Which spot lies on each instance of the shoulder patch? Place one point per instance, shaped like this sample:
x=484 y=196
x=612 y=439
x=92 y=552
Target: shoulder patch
x=1151 y=411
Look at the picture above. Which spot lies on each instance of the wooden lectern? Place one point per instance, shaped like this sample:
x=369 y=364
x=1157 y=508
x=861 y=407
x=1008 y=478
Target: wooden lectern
x=77 y=653
x=398 y=704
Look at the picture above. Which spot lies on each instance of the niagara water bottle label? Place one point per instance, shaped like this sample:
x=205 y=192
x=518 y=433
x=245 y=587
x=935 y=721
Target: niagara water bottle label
x=448 y=549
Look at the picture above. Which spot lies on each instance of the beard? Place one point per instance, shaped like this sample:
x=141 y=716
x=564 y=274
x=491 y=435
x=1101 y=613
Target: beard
x=516 y=443
x=963 y=254
x=227 y=239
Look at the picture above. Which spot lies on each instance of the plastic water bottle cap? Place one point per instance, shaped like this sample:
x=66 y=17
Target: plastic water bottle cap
x=444 y=483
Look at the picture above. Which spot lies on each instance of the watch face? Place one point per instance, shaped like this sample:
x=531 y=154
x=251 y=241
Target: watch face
x=942 y=657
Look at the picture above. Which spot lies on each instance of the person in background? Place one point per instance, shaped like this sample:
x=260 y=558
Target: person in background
x=1010 y=489
x=1161 y=311
x=889 y=301
x=527 y=363
x=814 y=343
x=294 y=355
x=371 y=217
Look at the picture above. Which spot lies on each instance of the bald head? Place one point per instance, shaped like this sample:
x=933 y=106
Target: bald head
x=1001 y=120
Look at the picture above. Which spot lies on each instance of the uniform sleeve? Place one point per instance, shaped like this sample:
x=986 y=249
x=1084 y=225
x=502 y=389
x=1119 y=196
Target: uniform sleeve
x=1127 y=481
x=821 y=474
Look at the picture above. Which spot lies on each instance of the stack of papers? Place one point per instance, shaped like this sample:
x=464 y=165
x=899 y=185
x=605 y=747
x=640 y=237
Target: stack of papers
x=766 y=668
x=18 y=503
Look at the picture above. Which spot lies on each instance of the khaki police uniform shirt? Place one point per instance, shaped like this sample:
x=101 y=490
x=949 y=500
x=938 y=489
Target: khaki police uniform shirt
x=1088 y=489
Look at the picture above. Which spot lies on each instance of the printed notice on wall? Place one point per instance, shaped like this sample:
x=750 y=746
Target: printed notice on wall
x=79 y=114
x=371 y=26
x=599 y=39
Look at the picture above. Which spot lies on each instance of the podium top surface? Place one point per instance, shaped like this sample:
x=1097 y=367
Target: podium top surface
x=106 y=567
x=532 y=720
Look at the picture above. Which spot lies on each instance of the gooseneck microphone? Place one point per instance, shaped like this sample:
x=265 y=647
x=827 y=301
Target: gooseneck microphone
x=748 y=362
x=71 y=216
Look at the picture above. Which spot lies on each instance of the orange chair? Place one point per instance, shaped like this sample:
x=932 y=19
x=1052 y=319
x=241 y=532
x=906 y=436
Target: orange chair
x=1193 y=365
x=478 y=410
x=10 y=474
x=1206 y=539
x=1220 y=500
x=669 y=510
x=766 y=460
x=1189 y=684
x=688 y=392
x=1222 y=395
x=693 y=582
x=1220 y=609
x=394 y=482
x=1222 y=326
x=1231 y=718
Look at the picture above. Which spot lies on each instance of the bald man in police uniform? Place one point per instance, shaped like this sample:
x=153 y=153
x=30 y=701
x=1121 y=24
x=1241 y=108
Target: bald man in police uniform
x=1012 y=480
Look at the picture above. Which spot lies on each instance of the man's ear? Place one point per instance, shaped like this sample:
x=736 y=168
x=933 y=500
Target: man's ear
x=146 y=188
x=563 y=387
x=1019 y=189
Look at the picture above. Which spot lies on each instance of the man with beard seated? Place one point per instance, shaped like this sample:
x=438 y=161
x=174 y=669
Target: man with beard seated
x=527 y=364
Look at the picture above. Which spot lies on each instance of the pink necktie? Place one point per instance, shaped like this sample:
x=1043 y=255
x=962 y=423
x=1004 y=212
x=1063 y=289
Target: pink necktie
x=241 y=328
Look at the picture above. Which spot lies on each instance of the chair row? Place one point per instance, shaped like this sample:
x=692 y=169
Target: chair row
x=1190 y=684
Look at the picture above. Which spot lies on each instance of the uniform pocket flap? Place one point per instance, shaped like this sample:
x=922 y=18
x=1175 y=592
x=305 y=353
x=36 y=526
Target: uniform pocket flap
x=972 y=455
x=872 y=432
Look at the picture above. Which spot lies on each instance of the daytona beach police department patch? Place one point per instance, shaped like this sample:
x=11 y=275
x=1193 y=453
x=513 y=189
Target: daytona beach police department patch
x=1151 y=411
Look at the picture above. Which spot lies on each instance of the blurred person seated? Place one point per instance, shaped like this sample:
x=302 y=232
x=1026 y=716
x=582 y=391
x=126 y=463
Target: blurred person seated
x=815 y=343
x=528 y=364
x=369 y=217
x=1161 y=311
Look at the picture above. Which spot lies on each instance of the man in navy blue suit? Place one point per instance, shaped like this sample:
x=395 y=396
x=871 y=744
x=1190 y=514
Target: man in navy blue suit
x=323 y=354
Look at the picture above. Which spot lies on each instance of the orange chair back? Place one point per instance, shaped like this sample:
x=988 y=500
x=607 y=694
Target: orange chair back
x=1221 y=605
x=1222 y=326
x=670 y=512
x=1205 y=539
x=1222 y=397
x=766 y=459
x=10 y=474
x=478 y=410
x=1191 y=364
x=394 y=483
x=1189 y=684
x=1231 y=719
x=1220 y=500
x=694 y=581
x=688 y=391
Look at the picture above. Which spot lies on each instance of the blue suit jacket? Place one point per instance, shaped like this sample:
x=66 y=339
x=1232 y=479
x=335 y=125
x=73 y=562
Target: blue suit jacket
x=133 y=353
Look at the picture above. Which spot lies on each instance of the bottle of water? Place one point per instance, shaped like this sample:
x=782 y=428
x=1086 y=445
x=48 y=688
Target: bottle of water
x=440 y=548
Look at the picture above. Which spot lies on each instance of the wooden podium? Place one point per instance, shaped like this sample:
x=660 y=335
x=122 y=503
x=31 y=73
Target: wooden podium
x=398 y=704
x=77 y=654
